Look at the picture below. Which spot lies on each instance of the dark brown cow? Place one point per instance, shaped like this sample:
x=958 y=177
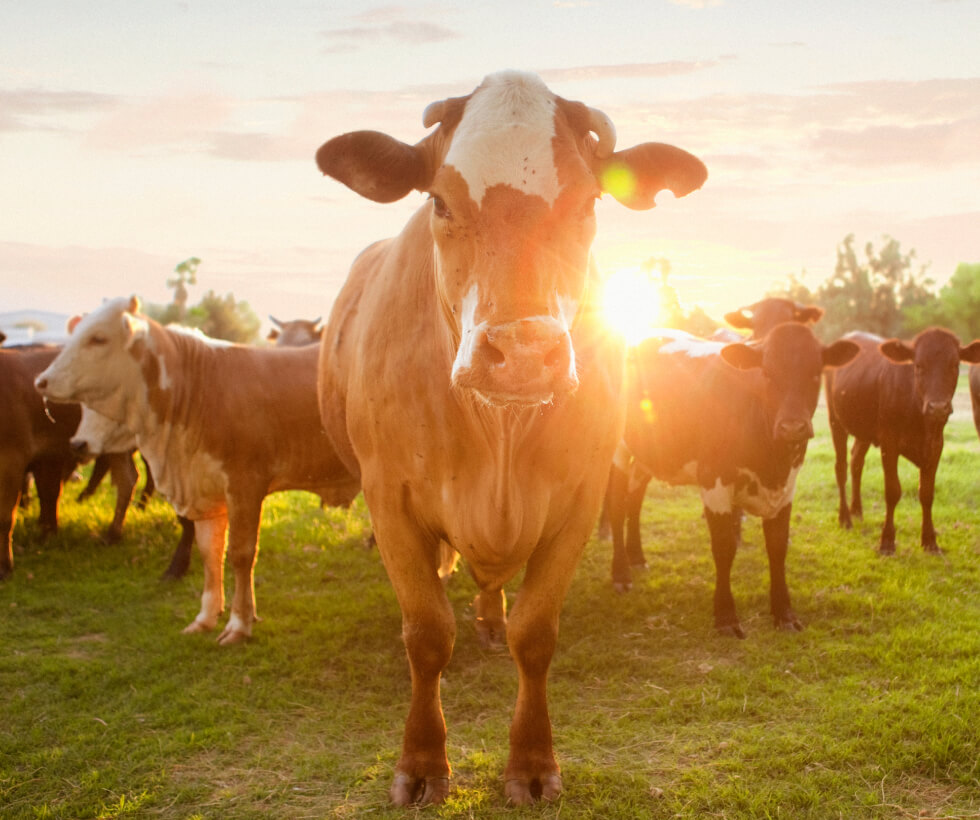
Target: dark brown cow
x=895 y=396
x=32 y=439
x=734 y=420
x=975 y=395
x=764 y=315
x=296 y=332
x=466 y=376
x=221 y=426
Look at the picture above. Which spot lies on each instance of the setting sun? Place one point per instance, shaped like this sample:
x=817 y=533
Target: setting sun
x=631 y=303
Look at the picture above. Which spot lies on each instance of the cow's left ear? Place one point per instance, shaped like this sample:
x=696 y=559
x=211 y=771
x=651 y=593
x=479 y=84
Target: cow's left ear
x=135 y=328
x=839 y=353
x=897 y=351
x=376 y=166
x=807 y=313
x=635 y=176
x=971 y=353
x=741 y=318
x=742 y=356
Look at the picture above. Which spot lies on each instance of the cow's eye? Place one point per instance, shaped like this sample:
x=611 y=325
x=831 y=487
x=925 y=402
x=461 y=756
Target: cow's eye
x=97 y=340
x=439 y=207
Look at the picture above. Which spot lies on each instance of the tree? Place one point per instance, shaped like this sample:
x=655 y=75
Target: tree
x=221 y=317
x=186 y=274
x=959 y=303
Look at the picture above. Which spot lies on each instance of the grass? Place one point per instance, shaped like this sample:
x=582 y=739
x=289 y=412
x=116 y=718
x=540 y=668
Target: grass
x=872 y=712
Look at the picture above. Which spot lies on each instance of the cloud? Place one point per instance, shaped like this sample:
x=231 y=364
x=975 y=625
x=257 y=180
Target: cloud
x=670 y=68
x=415 y=32
x=697 y=4
x=31 y=109
x=945 y=144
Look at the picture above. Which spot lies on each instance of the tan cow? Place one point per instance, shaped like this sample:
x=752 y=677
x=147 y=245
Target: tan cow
x=466 y=376
x=220 y=425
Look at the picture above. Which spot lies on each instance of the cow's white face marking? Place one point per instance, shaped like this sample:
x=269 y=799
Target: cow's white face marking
x=469 y=330
x=490 y=147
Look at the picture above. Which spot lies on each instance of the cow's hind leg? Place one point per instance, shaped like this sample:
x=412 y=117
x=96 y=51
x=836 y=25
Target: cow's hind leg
x=47 y=480
x=210 y=536
x=616 y=508
x=636 y=492
x=776 y=531
x=11 y=481
x=490 y=607
x=721 y=525
x=181 y=559
x=124 y=478
x=858 y=452
x=244 y=518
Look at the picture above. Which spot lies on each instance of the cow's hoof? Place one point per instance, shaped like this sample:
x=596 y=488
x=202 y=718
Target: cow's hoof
x=622 y=586
x=407 y=790
x=886 y=549
x=789 y=623
x=639 y=567
x=932 y=549
x=232 y=636
x=491 y=632
x=112 y=536
x=196 y=626
x=524 y=792
x=731 y=631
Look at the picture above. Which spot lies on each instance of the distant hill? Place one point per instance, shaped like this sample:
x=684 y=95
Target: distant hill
x=27 y=326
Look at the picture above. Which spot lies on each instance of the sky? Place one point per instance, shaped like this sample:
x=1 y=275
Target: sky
x=136 y=135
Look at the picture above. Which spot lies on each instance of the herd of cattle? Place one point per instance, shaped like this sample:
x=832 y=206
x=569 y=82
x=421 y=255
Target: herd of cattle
x=467 y=385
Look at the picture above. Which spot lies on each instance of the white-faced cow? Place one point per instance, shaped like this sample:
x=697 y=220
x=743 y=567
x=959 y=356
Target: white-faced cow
x=895 y=396
x=733 y=420
x=466 y=375
x=221 y=426
x=112 y=443
x=33 y=438
x=296 y=332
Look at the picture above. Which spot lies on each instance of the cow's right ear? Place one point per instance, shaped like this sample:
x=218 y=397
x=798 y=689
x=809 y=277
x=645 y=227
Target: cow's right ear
x=134 y=328
x=73 y=322
x=897 y=351
x=742 y=356
x=739 y=318
x=971 y=353
x=839 y=353
x=807 y=313
x=376 y=166
x=635 y=176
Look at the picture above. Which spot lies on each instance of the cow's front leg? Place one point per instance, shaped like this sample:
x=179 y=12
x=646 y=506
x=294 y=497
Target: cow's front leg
x=244 y=518
x=210 y=536
x=429 y=632
x=893 y=494
x=124 y=478
x=839 y=436
x=11 y=481
x=927 y=492
x=616 y=503
x=776 y=531
x=532 y=771
x=721 y=525
x=858 y=453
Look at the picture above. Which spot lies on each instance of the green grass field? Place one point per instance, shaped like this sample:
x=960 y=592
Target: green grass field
x=872 y=712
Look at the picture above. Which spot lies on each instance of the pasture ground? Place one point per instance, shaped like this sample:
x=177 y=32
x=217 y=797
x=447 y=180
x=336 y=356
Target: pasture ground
x=872 y=712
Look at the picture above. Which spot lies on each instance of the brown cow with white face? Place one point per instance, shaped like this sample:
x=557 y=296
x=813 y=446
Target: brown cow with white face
x=295 y=332
x=466 y=377
x=896 y=396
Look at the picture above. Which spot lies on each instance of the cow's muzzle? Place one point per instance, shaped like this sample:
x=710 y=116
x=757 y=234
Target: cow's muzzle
x=794 y=431
x=937 y=411
x=528 y=361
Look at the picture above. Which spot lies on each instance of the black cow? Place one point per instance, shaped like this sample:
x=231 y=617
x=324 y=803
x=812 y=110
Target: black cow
x=733 y=420
x=895 y=396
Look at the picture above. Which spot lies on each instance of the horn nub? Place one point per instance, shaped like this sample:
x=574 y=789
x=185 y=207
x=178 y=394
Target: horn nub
x=433 y=113
x=603 y=128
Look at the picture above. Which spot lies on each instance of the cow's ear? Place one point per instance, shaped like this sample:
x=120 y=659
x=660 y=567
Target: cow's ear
x=635 y=176
x=376 y=166
x=134 y=328
x=897 y=351
x=273 y=335
x=742 y=356
x=971 y=353
x=741 y=318
x=808 y=313
x=73 y=322
x=839 y=353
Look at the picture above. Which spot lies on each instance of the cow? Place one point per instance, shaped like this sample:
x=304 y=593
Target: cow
x=466 y=377
x=896 y=396
x=220 y=425
x=974 y=381
x=733 y=420
x=296 y=332
x=760 y=317
x=34 y=438
x=112 y=443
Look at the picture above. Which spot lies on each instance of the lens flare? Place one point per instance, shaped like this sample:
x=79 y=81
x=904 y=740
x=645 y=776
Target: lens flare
x=631 y=304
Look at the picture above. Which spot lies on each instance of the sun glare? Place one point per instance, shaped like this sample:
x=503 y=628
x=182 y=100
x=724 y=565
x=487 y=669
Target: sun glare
x=631 y=303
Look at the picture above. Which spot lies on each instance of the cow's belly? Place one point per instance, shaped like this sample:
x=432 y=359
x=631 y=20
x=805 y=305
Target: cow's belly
x=750 y=494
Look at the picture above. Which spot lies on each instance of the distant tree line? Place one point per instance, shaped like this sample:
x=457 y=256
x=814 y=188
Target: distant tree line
x=880 y=290
x=220 y=317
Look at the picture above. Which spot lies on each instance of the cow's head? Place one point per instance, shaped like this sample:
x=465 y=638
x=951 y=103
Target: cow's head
x=295 y=333
x=935 y=355
x=512 y=173
x=765 y=314
x=97 y=365
x=791 y=359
